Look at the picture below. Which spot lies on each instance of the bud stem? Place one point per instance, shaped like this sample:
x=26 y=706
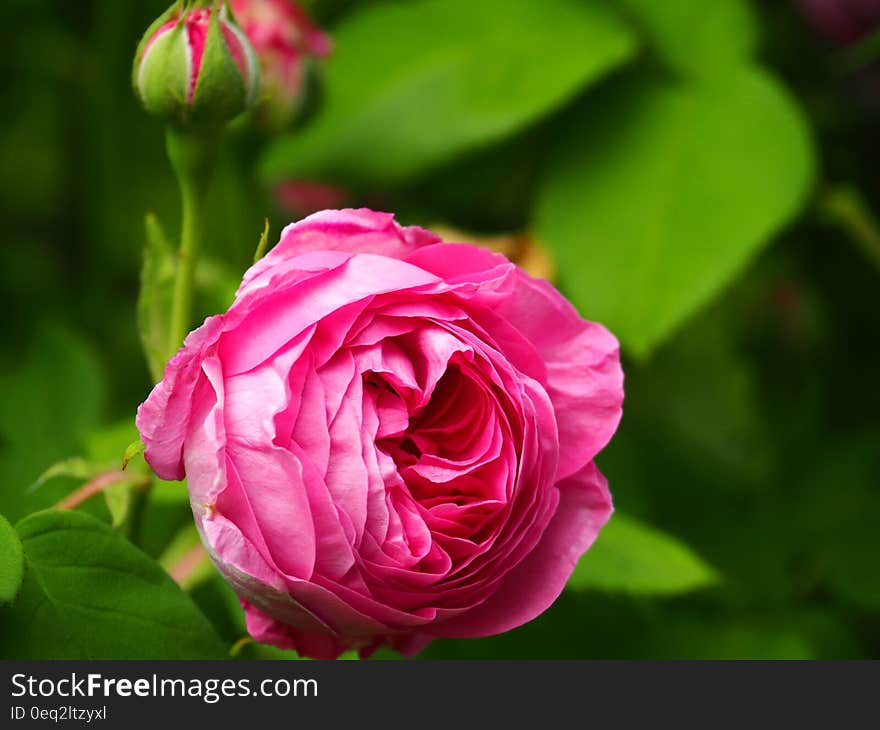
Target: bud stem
x=192 y=155
x=844 y=207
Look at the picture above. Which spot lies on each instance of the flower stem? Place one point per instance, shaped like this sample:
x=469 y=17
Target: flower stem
x=139 y=499
x=90 y=489
x=845 y=208
x=182 y=571
x=192 y=154
x=99 y=484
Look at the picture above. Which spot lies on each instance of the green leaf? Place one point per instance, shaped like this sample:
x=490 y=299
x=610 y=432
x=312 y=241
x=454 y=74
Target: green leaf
x=695 y=37
x=834 y=510
x=254 y=650
x=632 y=557
x=216 y=284
x=11 y=562
x=412 y=85
x=75 y=468
x=48 y=403
x=119 y=498
x=109 y=444
x=165 y=513
x=714 y=417
x=185 y=551
x=659 y=194
x=154 y=300
x=220 y=604
x=90 y=594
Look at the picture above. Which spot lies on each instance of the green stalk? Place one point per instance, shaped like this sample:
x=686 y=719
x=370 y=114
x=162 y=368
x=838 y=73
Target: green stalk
x=193 y=155
x=844 y=207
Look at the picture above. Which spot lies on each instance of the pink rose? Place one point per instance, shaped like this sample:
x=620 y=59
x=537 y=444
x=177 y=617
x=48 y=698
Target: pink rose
x=388 y=438
x=284 y=39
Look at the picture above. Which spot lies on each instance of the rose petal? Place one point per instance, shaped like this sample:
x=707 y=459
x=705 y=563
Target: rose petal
x=530 y=588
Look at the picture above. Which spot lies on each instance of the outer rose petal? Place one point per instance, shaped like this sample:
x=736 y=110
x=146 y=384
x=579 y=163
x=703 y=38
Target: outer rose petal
x=529 y=589
x=351 y=231
x=584 y=376
x=163 y=419
x=267 y=630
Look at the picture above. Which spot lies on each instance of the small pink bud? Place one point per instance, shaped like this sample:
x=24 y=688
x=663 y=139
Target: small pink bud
x=286 y=41
x=196 y=66
x=304 y=197
x=843 y=21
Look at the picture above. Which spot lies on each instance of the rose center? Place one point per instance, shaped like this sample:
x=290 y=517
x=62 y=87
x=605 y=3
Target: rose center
x=447 y=450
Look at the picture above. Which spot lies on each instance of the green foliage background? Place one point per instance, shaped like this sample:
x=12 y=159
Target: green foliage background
x=696 y=170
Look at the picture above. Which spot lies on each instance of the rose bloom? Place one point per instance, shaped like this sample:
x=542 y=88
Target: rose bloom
x=388 y=438
x=284 y=39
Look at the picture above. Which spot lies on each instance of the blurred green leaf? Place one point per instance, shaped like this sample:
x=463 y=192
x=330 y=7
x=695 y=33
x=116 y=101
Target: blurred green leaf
x=107 y=445
x=632 y=557
x=220 y=604
x=222 y=607
x=119 y=498
x=88 y=593
x=154 y=300
x=734 y=637
x=166 y=512
x=76 y=468
x=216 y=284
x=185 y=560
x=656 y=203
x=115 y=447
x=836 y=515
x=47 y=404
x=255 y=650
x=695 y=37
x=714 y=412
x=11 y=562
x=412 y=85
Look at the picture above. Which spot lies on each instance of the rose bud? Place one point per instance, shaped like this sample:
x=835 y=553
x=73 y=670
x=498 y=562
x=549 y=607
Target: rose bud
x=195 y=66
x=843 y=21
x=389 y=439
x=286 y=42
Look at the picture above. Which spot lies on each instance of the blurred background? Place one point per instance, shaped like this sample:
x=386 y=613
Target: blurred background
x=700 y=177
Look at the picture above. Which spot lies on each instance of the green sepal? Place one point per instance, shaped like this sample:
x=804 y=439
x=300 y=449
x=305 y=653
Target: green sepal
x=263 y=245
x=163 y=76
x=220 y=93
x=174 y=11
x=132 y=450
